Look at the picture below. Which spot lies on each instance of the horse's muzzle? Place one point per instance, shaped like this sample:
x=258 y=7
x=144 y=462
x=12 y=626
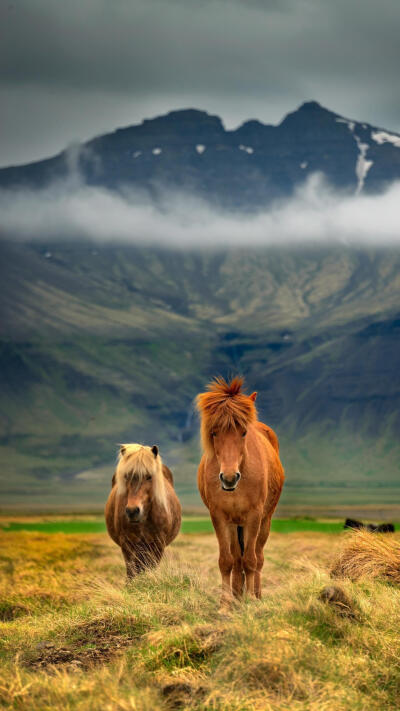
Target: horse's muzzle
x=229 y=484
x=134 y=514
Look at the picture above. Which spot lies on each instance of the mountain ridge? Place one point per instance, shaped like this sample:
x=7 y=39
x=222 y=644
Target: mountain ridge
x=189 y=150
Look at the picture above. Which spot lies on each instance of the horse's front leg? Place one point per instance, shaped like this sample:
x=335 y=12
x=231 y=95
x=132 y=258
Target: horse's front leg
x=225 y=560
x=130 y=562
x=251 y=530
x=260 y=543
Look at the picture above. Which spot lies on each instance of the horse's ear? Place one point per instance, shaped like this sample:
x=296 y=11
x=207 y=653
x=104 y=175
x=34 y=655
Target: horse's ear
x=122 y=450
x=253 y=396
x=154 y=449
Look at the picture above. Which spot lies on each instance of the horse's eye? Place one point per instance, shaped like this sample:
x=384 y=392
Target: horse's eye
x=244 y=433
x=148 y=477
x=212 y=434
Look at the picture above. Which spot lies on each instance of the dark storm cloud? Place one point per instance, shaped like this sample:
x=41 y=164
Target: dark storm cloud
x=73 y=69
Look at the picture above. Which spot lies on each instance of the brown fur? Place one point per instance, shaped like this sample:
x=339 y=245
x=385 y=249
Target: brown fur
x=142 y=480
x=235 y=441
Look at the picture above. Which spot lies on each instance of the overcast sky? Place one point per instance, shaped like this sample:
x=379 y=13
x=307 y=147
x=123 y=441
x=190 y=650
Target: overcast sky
x=71 y=70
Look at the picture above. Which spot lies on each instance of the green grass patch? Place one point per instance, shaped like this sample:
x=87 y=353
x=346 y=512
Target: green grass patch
x=189 y=525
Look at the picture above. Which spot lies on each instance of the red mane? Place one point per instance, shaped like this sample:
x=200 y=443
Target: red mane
x=224 y=407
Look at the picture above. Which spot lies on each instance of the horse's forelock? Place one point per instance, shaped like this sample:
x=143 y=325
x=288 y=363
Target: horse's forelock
x=139 y=461
x=222 y=408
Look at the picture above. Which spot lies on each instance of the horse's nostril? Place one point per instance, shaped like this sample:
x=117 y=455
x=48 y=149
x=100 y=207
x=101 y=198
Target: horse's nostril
x=221 y=475
x=238 y=475
x=132 y=512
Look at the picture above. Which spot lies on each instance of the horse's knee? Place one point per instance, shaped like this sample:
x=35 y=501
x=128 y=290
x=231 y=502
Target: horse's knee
x=225 y=563
x=260 y=560
x=250 y=562
x=237 y=564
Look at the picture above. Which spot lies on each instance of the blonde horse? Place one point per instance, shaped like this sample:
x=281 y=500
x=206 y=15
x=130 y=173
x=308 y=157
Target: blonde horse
x=143 y=513
x=240 y=479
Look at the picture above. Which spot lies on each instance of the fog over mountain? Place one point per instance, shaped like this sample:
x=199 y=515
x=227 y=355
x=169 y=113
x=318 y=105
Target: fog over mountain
x=183 y=180
x=316 y=214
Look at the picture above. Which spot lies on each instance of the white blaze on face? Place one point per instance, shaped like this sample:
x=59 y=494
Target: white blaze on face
x=156 y=151
x=200 y=148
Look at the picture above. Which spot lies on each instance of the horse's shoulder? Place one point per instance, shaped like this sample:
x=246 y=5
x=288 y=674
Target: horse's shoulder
x=168 y=474
x=270 y=435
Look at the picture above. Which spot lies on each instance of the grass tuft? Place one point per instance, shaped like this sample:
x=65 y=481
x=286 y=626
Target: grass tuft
x=369 y=556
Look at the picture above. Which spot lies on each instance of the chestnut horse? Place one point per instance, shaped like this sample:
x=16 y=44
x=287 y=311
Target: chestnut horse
x=240 y=479
x=143 y=513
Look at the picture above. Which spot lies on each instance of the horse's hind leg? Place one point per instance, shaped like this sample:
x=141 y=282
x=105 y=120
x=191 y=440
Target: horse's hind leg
x=251 y=531
x=237 y=547
x=261 y=541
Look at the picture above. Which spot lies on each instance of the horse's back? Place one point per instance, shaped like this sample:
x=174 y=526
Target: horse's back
x=168 y=474
x=275 y=469
x=175 y=511
x=110 y=514
x=201 y=484
x=269 y=433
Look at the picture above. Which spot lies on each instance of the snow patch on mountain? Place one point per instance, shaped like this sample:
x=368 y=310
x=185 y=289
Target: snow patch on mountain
x=248 y=149
x=385 y=137
x=362 y=165
x=350 y=124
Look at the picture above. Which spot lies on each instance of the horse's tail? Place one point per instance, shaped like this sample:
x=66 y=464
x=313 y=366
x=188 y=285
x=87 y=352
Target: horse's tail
x=240 y=538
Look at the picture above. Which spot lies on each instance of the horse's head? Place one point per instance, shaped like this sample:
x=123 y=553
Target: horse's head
x=226 y=413
x=140 y=481
x=229 y=447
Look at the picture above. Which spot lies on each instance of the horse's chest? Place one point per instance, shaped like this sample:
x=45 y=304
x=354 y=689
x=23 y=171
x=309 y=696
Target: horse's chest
x=235 y=509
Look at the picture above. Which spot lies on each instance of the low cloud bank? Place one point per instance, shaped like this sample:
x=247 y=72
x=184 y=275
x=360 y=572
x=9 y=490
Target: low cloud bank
x=315 y=215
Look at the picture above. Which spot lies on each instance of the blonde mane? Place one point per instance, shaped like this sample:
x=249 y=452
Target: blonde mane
x=139 y=460
x=224 y=407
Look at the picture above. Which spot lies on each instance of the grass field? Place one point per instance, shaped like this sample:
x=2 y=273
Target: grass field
x=73 y=636
x=190 y=524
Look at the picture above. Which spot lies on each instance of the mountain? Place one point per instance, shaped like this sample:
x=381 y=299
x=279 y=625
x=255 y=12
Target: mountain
x=104 y=344
x=247 y=168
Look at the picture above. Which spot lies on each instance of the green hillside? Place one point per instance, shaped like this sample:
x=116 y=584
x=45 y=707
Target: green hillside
x=103 y=344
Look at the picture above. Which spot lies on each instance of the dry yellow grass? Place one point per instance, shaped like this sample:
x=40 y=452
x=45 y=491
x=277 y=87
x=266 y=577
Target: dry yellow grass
x=75 y=637
x=369 y=555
